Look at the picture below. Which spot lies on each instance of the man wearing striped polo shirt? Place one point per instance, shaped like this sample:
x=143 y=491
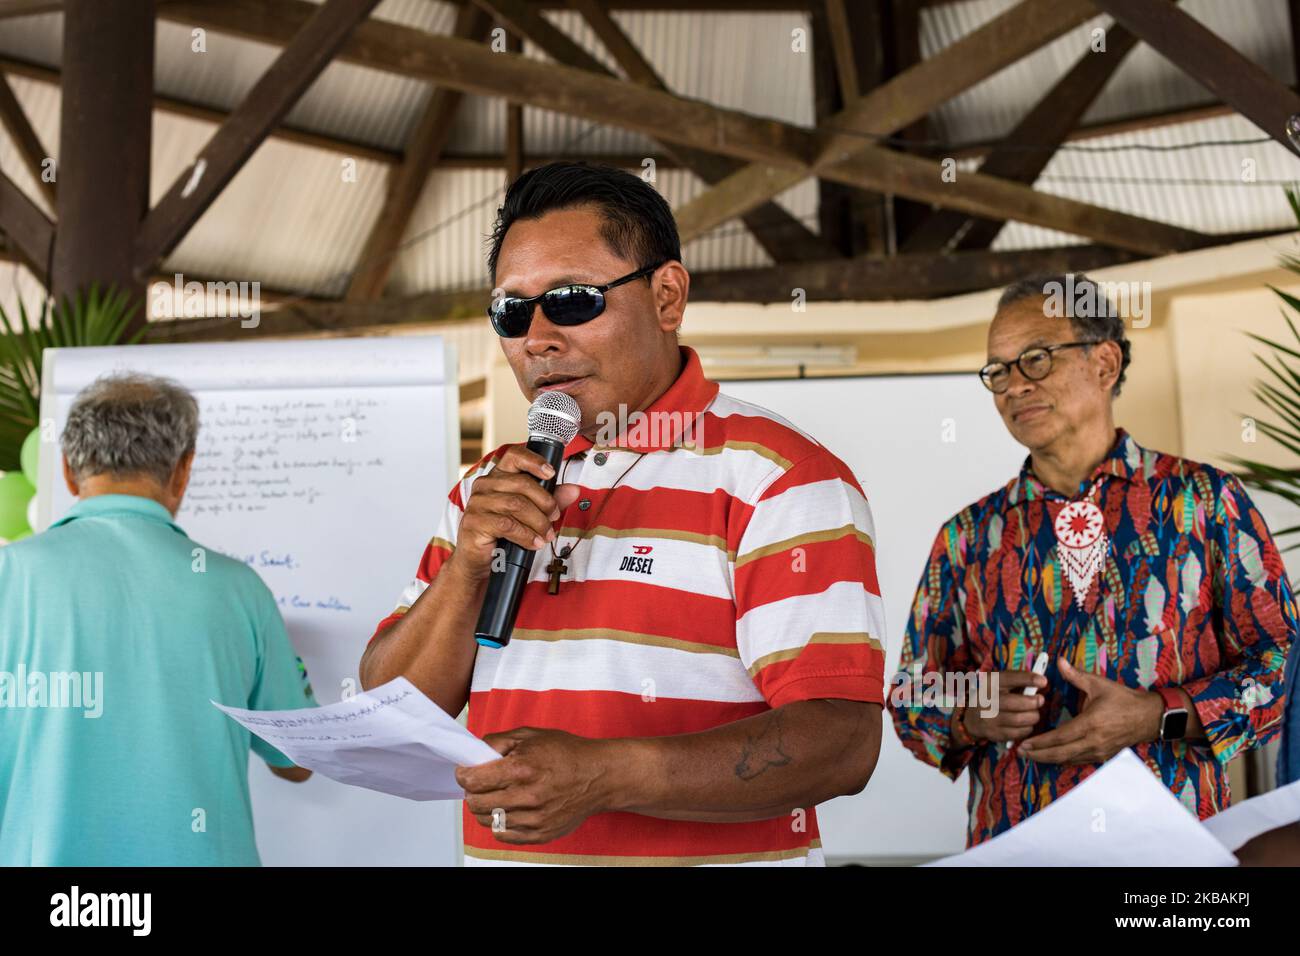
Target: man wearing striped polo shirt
x=697 y=660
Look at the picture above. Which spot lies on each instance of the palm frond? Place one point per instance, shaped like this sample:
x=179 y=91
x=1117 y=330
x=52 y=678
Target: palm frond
x=94 y=317
x=1279 y=392
x=1293 y=198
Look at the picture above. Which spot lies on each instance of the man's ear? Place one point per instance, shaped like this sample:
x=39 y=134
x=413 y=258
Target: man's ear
x=1110 y=360
x=181 y=476
x=671 y=287
x=70 y=479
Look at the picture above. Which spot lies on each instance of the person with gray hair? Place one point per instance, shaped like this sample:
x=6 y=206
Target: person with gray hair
x=1121 y=597
x=116 y=632
x=131 y=432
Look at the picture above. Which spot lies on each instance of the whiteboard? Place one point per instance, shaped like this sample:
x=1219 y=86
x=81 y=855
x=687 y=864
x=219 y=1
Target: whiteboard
x=922 y=447
x=323 y=464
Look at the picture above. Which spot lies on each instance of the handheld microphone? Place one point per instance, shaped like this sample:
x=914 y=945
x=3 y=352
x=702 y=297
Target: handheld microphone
x=553 y=421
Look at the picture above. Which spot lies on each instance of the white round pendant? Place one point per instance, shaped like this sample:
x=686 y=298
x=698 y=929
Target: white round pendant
x=1079 y=525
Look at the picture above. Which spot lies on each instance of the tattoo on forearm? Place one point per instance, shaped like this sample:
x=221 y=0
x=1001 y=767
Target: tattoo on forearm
x=764 y=749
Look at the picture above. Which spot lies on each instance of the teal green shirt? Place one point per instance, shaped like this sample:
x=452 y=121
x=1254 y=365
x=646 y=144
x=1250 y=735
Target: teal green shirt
x=116 y=630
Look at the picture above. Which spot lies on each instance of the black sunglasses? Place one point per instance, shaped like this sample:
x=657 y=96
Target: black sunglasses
x=567 y=305
x=1034 y=363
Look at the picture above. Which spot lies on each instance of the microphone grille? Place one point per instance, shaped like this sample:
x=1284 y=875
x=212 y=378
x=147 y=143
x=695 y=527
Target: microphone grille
x=554 y=415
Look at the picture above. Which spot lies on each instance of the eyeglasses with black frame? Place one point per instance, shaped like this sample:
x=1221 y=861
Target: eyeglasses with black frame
x=1034 y=363
x=566 y=305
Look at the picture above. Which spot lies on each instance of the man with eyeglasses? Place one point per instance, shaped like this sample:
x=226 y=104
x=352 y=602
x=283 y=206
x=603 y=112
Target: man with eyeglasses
x=697 y=658
x=1147 y=584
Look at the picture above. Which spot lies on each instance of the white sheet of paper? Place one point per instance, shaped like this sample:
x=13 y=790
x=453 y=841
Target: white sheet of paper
x=392 y=739
x=1122 y=815
x=1244 y=821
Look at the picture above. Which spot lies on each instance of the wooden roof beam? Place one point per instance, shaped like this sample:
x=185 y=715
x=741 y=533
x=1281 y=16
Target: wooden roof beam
x=179 y=107
x=406 y=182
x=782 y=236
x=776 y=146
x=989 y=197
x=854 y=221
x=24 y=8
x=893 y=105
x=865 y=278
x=1048 y=123
x=15 y=120
x=310 y=50
x=1225 y=72
x=29 y=230
x=28 y=8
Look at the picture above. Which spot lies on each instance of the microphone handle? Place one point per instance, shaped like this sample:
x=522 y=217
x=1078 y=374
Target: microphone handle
x=510 y=573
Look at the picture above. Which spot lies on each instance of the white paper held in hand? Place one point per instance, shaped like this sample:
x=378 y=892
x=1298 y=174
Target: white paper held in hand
x=1121 y=815
x=392 y=739
x=1242 y=822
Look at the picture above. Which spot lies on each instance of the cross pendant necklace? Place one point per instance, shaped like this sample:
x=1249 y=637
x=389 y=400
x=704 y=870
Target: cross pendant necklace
x=556 y=568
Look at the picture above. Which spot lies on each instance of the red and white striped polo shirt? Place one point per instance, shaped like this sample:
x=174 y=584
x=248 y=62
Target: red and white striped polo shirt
x=719 y=581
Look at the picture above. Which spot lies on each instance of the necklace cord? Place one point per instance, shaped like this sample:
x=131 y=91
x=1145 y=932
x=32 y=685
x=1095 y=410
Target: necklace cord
x=570 y=548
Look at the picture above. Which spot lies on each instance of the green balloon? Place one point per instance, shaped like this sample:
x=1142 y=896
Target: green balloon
x=28 y=456
x=15 y=492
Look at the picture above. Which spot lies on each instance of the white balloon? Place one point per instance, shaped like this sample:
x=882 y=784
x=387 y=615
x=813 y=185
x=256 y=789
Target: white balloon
x=31 y=514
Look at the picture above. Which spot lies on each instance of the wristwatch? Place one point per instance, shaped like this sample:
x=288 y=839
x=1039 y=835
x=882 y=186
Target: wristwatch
x=1173 y=723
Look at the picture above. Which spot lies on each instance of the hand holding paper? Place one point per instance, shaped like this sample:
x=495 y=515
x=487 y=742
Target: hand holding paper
x=392 y=739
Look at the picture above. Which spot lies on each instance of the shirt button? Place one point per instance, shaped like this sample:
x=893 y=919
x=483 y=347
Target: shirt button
x=584 y=504
x=600 y=458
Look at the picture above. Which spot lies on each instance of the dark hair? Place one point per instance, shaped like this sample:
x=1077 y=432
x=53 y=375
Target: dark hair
x=1100 y=322
x=638 y=223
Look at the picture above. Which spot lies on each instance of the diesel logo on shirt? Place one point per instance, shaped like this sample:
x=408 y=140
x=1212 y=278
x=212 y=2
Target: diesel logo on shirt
x=638 y=564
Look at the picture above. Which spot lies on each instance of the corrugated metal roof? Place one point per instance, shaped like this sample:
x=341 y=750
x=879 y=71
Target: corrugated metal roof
x=1212 y=188
x=760 y=74
x=444 y=245
x=18 y=286
x=40 y=102
x=291 y=220
x=1145 y=83
x=373 y=107
x=36 y=38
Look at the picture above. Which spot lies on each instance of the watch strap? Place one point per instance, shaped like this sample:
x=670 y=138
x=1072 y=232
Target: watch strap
x=1176 y=706
x=1173 y=698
